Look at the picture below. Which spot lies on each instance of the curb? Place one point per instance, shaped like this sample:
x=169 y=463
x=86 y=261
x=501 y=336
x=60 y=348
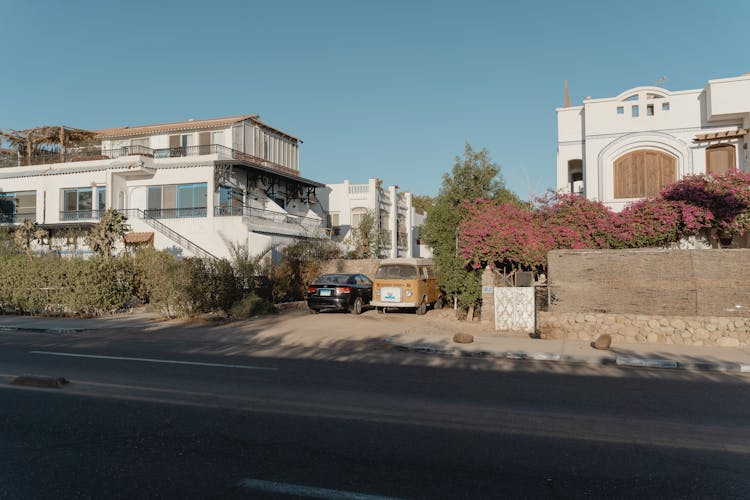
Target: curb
x=629 y=361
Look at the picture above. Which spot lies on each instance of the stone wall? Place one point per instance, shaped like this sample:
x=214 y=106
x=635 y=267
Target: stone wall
x=639 y=328
x=364 y=266
x=669 y=282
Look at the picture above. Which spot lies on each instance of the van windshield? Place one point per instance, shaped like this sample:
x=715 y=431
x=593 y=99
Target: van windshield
x=396 y=271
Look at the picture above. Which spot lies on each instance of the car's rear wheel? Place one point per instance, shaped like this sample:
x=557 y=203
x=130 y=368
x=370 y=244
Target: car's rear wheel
x=422 y=307
x=356 y=308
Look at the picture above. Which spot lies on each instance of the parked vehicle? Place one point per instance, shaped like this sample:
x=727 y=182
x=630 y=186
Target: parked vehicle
x=406 y=283
x=350 y=292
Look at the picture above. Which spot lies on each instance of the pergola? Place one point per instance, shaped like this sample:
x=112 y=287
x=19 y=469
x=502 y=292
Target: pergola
x=46 y=140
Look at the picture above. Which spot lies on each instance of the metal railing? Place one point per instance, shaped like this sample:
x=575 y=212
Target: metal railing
x=74 y=155
x=94 y=153
x=170 y=233
x=308 y=223
x=17 y=217
x=175 y=213
x=68 y=215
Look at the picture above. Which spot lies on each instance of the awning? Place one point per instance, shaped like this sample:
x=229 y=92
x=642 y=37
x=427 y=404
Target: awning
x=139 y=238
x=727 y=134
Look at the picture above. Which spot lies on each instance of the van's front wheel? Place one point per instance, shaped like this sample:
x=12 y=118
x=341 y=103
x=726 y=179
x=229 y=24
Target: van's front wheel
x=422 y=307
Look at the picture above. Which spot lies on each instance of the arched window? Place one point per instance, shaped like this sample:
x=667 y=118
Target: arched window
x=575 y=176
x=720 y=159
x=643 y=173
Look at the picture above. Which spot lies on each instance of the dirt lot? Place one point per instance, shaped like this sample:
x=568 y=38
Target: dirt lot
x=295 y=331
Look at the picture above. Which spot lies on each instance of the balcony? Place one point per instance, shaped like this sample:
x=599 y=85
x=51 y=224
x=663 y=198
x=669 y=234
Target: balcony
x=283 y=222
x=17 y=217
x=175 y=213
x=90 y=154
x=76 y=215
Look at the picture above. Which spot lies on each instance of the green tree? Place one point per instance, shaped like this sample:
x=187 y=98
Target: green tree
x=473 y=176
x=26 y=233
x=363 y=241
x=421 y=203
x=111 y=227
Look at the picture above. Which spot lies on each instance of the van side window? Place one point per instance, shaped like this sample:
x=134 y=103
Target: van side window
x=430 y=272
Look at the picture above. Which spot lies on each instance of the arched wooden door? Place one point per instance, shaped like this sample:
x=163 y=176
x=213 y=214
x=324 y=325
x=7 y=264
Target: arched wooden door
x=643 y=173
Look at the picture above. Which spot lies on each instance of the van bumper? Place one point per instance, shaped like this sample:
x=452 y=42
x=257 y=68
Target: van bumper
x=380 y=303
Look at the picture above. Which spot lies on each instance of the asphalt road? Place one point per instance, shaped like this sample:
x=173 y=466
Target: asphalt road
x=144 y=420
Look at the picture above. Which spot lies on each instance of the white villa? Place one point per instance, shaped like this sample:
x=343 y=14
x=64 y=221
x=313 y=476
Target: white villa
x=195 y=187
x=619 y=149
x=346 y=204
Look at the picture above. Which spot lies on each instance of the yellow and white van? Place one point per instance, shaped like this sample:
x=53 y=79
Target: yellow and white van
x=406 y=283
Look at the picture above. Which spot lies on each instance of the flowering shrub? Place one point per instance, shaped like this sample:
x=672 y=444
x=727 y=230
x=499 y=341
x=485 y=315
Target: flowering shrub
x=510 y=236
x=723 y=199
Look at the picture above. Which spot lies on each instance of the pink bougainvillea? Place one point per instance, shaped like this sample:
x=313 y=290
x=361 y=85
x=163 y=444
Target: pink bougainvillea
x=510 y=236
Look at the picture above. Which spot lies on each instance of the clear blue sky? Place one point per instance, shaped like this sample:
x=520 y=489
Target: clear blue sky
x=388 y=89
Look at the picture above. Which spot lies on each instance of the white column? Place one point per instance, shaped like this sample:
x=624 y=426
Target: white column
x=394 y=221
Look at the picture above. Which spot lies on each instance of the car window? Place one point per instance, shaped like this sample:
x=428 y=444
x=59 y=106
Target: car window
x=430 y=271
x=363 y=280
x=396 y=271
x=332 y=279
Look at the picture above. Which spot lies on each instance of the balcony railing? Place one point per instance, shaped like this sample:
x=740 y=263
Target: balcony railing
x=270 y=216
x=17 y=217
x=68 y=215
x=175 y=213
x=88 y=154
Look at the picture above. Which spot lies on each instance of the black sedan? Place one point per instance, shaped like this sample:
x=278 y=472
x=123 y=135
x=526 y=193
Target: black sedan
x=340 y=292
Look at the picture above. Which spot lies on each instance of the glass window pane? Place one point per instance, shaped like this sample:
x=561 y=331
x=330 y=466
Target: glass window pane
x=70 y=200
x=185 y=196
x=169 y=197
x=200 y=195
x=26 y=202
x=634 y=111
x=102 y=194
x=154 y=198
x=84 y=199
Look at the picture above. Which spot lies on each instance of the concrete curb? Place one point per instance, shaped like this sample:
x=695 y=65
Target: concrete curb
x=625 y=361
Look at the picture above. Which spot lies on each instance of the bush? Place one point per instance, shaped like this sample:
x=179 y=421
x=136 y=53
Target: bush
x=50 y=285
x=251 y=305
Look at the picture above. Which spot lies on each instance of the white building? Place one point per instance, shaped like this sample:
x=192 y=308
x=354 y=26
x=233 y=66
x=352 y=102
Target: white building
x=398 y=221
x=199 y=186
x=620 y=149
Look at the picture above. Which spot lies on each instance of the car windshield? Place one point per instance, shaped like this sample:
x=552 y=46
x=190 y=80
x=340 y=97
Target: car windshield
x=396 y=271
x=332 y=279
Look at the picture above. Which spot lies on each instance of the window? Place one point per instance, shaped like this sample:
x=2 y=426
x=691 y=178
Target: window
x=101 y=196
x=720 y=159
x=17 y=206
x=634 y=111
x=229 y=201
x=649 y=110
x=78 y=204
x=633 y=97
x=142 y=142
x=357 y=215
x=665 y=106
x=333 y=223
x=620 y=110
x=643 y=173
x=179 y=200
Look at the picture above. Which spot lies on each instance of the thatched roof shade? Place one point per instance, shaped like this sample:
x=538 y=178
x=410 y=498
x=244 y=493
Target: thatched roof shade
x=32 y=140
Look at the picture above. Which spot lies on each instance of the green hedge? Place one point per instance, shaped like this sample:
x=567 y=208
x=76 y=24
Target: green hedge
x=53 y=286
